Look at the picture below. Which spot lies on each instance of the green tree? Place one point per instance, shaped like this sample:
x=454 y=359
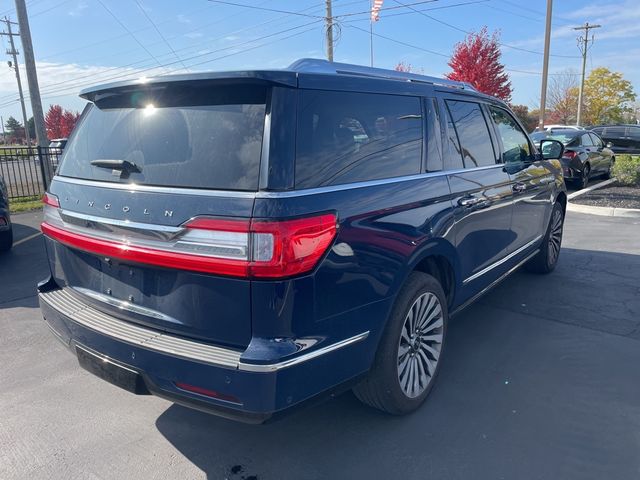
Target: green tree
x=14 y=127
x=608 y=97
x=529 y=121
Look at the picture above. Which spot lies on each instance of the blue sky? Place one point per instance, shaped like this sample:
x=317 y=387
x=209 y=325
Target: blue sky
x=83 y=42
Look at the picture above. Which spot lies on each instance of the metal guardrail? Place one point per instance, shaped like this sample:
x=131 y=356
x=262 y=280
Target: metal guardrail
x=24 y=169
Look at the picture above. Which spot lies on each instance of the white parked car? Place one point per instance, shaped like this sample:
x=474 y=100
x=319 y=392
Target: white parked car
x=565 y=127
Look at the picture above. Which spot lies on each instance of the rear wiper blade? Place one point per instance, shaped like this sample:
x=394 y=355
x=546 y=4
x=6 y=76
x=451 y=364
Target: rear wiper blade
x=123 y=165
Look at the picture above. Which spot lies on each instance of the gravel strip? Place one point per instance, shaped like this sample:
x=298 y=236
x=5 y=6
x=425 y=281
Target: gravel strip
x=614 y=195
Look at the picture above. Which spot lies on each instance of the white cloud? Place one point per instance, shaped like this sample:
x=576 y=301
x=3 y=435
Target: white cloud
x=79 y=9
x=618 y=20
x=183 y=18
x=193 y=35
x=59 y=79
x=231 y=38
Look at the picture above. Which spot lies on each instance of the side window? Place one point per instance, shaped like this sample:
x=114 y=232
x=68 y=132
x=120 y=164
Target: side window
x=586 y=140
x=345 y=137
x=452 y=149
x=634 y=133
x=614 y=132
x=473 y=132
x=595 y=139
x=515 y=144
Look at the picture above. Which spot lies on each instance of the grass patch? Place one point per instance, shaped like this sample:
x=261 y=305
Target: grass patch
x=627 y=170
x=25 y=204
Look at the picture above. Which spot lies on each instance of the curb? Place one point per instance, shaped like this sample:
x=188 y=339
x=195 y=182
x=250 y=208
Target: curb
x=591 y=188
x=603 y=211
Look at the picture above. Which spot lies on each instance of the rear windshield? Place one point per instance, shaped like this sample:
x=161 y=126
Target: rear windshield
x=172 y=136
x=566 y=137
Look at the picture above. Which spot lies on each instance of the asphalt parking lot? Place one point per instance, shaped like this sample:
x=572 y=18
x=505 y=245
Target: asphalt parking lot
x=541 y=380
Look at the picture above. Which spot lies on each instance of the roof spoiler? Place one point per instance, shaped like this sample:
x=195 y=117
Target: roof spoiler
x=313 y=65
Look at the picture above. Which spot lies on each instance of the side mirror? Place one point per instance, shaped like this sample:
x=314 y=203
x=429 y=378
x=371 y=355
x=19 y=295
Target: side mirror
x=551 y=149
x=609 y=145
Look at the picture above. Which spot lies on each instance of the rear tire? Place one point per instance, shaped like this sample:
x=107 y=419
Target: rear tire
x=583 y=181
x=408 y=357
x=547 y=258
x=6 y=240
x=608 y=175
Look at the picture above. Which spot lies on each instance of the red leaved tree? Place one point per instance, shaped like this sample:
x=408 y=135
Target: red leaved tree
x=60 y=122
x=476 y=60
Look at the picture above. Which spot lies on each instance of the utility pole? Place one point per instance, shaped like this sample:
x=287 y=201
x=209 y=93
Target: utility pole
x=34 y=89
x=4 y=135
x=583 y=45
x=14 y=53
x=545 y=66
x=329 y=27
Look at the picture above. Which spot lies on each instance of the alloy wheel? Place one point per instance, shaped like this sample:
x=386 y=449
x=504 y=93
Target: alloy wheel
x=555 y=236
x=420 y=344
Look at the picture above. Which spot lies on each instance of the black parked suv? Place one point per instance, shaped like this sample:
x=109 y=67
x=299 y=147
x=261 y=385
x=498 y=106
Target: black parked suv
x=623 y=138
x=6 y=231
x=241 y=242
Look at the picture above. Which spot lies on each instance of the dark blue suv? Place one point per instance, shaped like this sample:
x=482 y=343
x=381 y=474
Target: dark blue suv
x=242 y=242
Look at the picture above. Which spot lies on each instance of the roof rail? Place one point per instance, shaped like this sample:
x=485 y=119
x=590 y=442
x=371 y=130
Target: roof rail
x=314 y=65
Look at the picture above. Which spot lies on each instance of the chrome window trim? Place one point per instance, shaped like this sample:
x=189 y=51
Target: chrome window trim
x=265 y=193
x=501 y=261
x=134 y=188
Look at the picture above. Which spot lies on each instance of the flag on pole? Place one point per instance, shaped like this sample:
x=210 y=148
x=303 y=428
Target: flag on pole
x=375 y=10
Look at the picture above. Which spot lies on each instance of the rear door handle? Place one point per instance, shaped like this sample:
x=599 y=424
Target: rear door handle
x=469 y=202
x=518 y=187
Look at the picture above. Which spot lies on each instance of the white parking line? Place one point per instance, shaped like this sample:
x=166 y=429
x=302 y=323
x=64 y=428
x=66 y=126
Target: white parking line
x=26 y=239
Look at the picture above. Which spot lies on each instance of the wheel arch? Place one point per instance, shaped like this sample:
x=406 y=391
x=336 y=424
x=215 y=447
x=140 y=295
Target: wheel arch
x=438 y=258
x=561 y=198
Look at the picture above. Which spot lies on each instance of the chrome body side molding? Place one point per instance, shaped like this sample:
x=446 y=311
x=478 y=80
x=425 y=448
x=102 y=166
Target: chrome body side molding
x=502 y=260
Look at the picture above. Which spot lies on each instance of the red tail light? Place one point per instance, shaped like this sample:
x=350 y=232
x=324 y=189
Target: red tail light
x=238 y=248
x=51 y=200
x=569 y=154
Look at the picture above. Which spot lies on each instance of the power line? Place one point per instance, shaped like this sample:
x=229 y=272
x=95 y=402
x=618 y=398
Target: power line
x=138 y=72
x=128 y=31
x=471 y=33
x=440 y=54
x=159 y=32
x=14 y=53
x=399 y=14
x=583 y=45
x=74 y=81
x=225 y=2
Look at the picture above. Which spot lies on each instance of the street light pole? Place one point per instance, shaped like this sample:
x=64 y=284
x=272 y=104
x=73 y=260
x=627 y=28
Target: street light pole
x=16 y=66
x=583 y=45
x=32 y=79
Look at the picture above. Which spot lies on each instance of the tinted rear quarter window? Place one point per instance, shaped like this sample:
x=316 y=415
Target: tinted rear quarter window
x=634 y=133
x=614 y=132
x=345 y=137
x=177 y=137
x=473 y=133
x=596 y=140
x=586 y=140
